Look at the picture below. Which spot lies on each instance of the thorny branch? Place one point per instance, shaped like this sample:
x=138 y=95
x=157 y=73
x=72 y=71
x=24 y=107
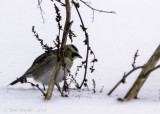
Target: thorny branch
x=135 y=57
x=44 y=46
x=58 y=42
x=93 y=61
x=86 y=41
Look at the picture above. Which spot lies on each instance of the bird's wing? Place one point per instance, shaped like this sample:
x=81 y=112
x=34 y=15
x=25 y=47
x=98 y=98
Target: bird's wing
x=41 y=61
x=43 y=56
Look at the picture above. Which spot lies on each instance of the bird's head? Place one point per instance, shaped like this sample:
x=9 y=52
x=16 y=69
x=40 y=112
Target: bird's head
x=72 y=52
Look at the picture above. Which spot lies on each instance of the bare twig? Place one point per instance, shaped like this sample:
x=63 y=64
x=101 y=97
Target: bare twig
x=58 y=19
x=71 y=35
x=37 y=86
x=143 y=76
x=134 y=59
x=134 y=68
x=94 y=86
x=146 y=70
x=94 y=9
x=73 y=79
x=32 y=84
x=93 y=61
x=155 y=68
x=101 y=89
x=44 y=46
x=79 y=67
x=124 y=77
x=61 y=91
x=41 y=10
x=63 y=4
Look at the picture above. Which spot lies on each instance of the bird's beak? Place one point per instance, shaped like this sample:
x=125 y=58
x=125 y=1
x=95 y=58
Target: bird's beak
x=79 y=56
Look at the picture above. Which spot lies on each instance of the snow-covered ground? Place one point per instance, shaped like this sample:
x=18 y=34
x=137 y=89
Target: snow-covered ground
x=114 y=39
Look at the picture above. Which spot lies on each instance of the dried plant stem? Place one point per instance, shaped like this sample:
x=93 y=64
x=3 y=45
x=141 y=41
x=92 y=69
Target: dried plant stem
x=133 y=92
x=41 y=10
x=86 y=42
x=64 y=39
x=148 y=68
x=86 y=67
x=60 y=2
x=85 y=3
x=37 y=86
x=155 y=68
x=124 y=77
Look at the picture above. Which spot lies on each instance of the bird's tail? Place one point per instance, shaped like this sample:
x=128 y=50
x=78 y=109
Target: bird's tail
x=21 y=79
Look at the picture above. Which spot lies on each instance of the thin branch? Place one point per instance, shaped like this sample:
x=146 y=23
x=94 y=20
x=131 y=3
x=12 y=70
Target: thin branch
x=37 y=86
x=134 y=59
x=71 y=35
x=94 y=9
x=86 y=42
x=124 y=78
x=93 y=61
x=155 y=68
x=61 y=91
x=32 y=84
x=63 y=4
x=41 y=10
x=58 y=19
x=73 y=79
x=143 y=76
x=101 y=89
x=134 y=68
x=44 y=46
x=94 y=86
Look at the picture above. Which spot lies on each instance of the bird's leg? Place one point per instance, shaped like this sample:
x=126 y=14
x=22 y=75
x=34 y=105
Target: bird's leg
x=59 y=88
x=66 y=86
x=44 y=87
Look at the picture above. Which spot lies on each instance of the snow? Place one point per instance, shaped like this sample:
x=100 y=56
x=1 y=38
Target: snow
x=114 y=39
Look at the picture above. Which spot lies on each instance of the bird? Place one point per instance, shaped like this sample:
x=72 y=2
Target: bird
x=43 y=66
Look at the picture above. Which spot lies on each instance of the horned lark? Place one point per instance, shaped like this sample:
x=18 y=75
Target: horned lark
x=43 y=66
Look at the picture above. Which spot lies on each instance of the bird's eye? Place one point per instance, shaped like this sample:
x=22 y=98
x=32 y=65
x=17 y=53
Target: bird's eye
x=69 y=49
x=73 y=54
